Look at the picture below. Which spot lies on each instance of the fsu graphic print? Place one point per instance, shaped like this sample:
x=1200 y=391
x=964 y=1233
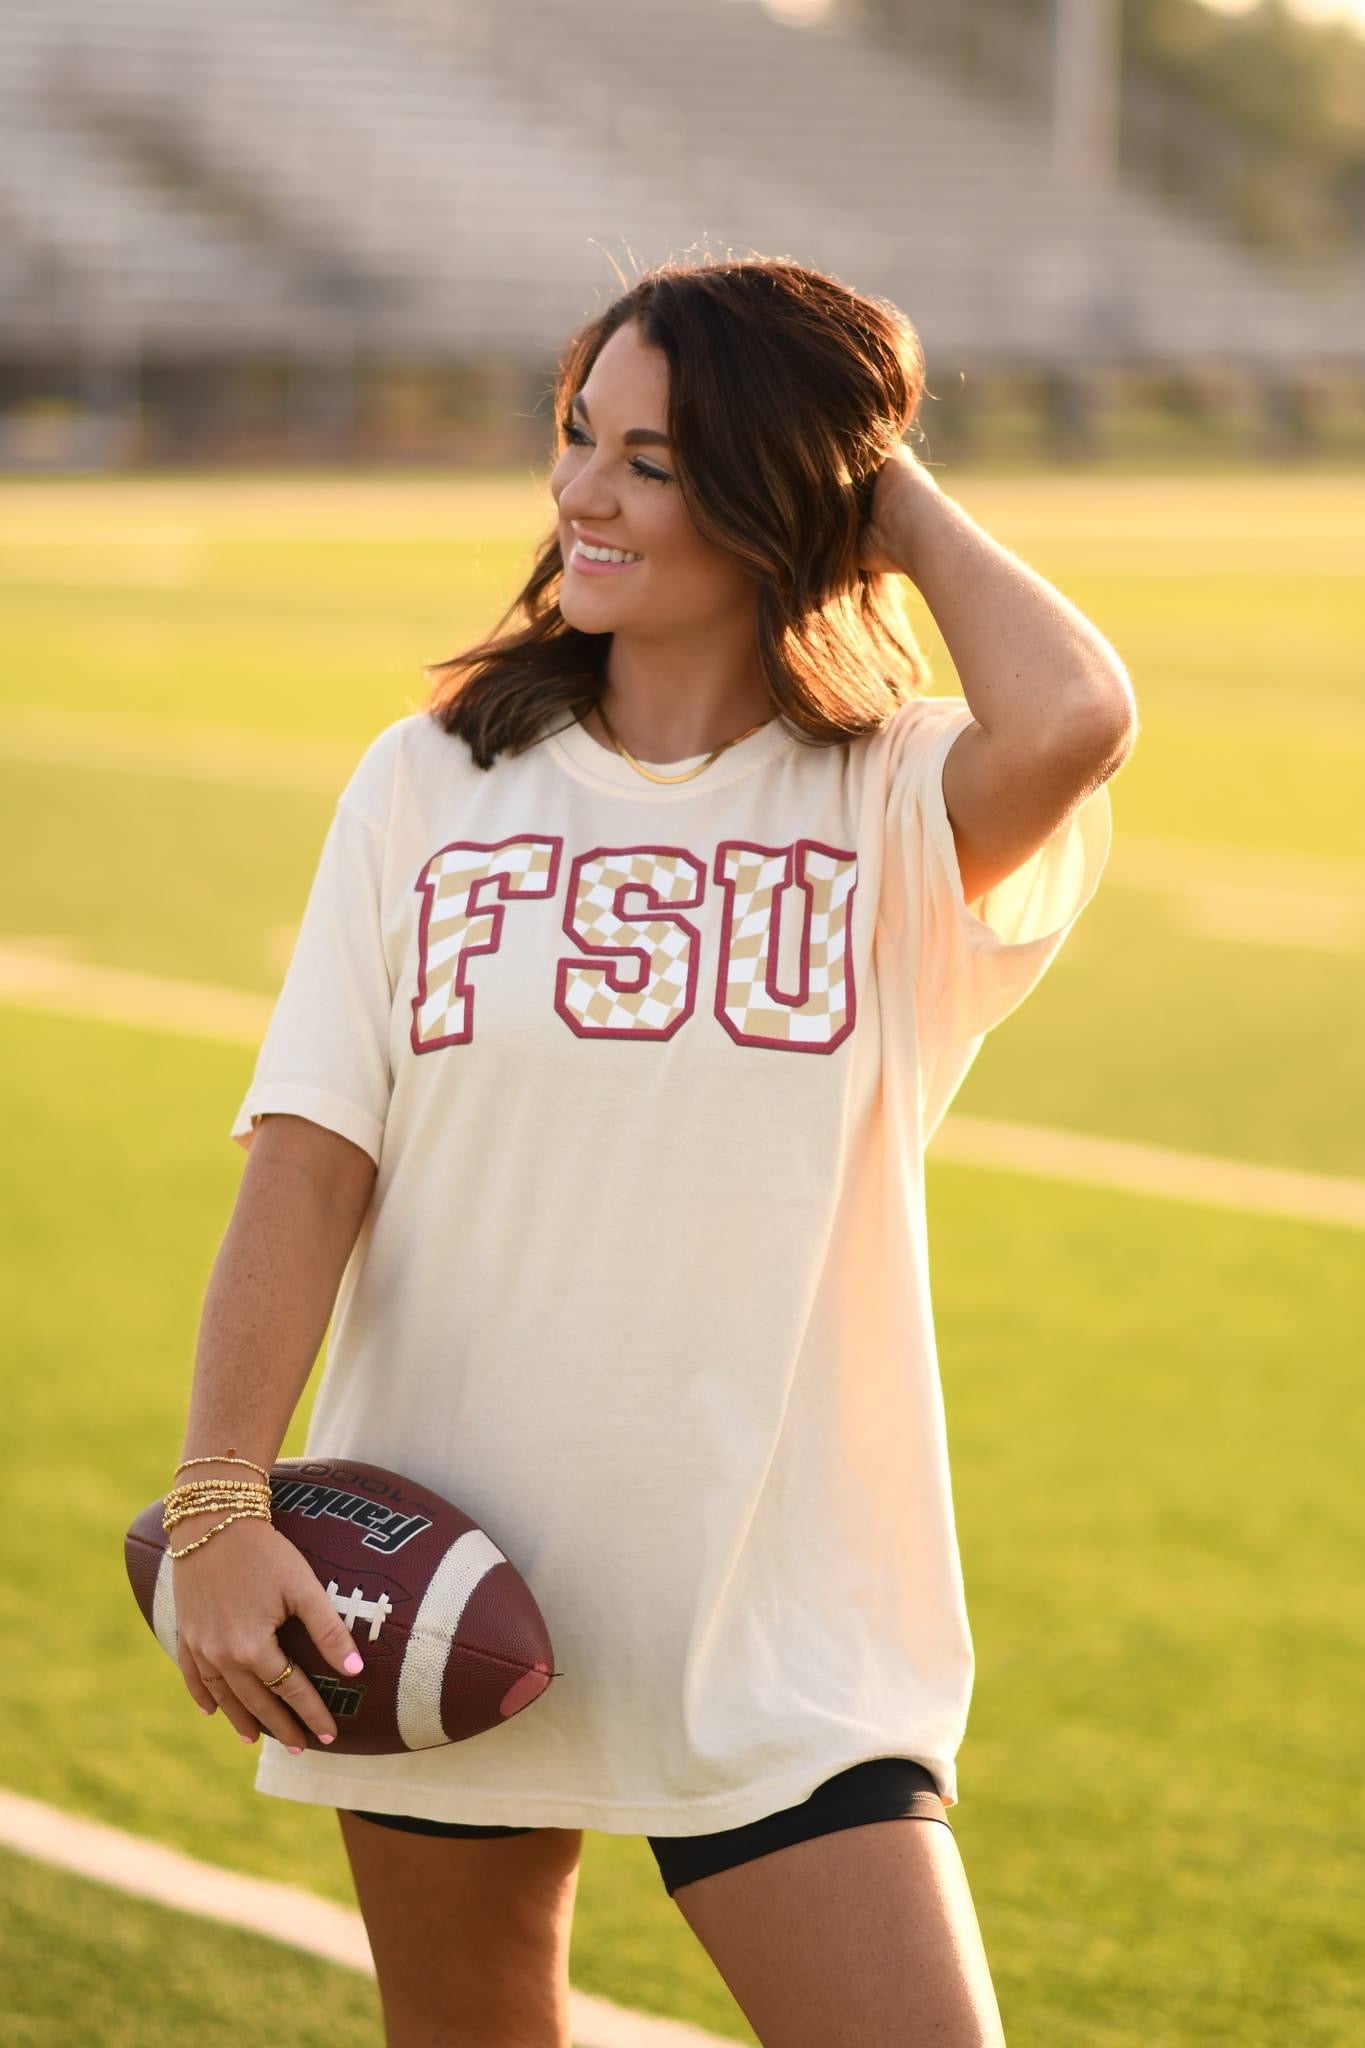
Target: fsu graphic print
x=634 y=965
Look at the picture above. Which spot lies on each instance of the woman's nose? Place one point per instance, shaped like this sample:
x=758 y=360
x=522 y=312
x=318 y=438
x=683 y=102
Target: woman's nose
x=576 y=503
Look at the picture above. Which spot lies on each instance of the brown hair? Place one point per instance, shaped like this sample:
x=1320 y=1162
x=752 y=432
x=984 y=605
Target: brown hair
x=787 y=390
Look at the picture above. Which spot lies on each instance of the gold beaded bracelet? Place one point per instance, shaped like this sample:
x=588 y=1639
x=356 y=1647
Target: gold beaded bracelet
x=249 y=1498
x=246 y=1514
x=243 y=1507
x=229 y=1457
x=178 y=1496
x=178 y=1511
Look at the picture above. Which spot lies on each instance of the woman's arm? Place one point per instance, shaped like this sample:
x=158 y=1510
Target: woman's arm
x=303 y=1196
x=1034 y=669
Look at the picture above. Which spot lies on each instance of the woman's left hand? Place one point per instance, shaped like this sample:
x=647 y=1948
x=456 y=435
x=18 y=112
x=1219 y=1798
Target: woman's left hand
x=900 y=482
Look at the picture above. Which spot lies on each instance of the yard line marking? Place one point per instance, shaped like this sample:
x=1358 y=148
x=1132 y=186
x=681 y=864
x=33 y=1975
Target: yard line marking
x=42 y=976
x=1276 y=917
x=281 y=1912
x=1248 y=896
x=1240 y=894
x=1122 y=1164
x=156 y=558
x=385 y=513
x=191 y=753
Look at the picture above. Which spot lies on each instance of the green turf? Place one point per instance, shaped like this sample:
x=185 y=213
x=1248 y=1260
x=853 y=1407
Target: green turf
x=1153 y=1408
x=100 y=1967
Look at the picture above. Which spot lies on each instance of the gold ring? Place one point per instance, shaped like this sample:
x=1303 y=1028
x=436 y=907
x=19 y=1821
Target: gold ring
x=280 y=1680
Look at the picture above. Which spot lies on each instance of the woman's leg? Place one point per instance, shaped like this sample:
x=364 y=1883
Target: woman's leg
x=470 y=1937
x=867 y=1935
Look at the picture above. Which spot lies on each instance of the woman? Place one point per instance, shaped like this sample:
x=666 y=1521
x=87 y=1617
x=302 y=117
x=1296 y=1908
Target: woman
x=639 y=968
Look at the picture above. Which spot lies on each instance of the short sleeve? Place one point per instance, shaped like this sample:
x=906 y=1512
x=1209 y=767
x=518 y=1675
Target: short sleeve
x=325 y=1054
x=973 y=965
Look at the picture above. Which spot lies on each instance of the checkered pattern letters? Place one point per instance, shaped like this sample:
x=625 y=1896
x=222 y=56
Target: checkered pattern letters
x=820 y=1012
x=601 y=1000
x=624 y=912
x=454 y=925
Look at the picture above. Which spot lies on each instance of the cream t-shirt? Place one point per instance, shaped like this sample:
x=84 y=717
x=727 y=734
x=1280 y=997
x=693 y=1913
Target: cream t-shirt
x=648 y=1073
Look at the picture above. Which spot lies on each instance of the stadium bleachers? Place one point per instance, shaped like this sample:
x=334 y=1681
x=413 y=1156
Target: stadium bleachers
x=467 y=175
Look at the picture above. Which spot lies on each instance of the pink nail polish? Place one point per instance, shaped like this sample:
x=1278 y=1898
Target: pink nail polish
x=355 y=1662
x=292 y=1751
x=326 y=1738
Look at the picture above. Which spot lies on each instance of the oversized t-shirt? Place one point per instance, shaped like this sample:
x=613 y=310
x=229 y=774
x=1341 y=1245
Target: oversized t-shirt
x=648 y=1072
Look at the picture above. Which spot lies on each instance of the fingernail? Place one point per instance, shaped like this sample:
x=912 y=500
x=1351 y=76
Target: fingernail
x=246 y=1738
x=292 y=1751
x=355 y=1662
x=326 y=1738
x=205 y=1710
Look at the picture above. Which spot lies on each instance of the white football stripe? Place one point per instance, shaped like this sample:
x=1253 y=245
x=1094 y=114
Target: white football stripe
x=464 y=1567
x=163 y=1610
x=467 y=1562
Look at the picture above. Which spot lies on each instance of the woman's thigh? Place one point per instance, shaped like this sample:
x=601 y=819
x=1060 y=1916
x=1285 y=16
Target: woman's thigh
x=470 y=1936
x=866 y=1935
x=848 y=1916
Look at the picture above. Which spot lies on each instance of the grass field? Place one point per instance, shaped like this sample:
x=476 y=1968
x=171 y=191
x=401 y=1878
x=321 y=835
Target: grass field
x=1154 y=1406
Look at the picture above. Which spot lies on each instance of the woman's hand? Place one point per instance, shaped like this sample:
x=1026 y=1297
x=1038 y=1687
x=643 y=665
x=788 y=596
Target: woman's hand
x=230 y=1596
x=899 y=488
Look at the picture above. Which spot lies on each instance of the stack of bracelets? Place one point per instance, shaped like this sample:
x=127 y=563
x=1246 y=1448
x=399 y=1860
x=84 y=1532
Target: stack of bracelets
x=248 y=1498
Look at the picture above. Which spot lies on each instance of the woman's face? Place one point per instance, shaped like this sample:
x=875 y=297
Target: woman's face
x=623 y=493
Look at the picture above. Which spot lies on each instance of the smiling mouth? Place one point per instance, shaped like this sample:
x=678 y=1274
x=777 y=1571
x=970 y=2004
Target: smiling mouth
x=592 y=565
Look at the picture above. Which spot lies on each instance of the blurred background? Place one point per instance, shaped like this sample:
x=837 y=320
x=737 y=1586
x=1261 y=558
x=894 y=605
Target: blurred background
x=282 y=287
x=330 y=229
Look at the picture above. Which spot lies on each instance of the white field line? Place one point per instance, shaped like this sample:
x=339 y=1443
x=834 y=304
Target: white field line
x=1241 y=895
x=189 y=753
x=280 y=1912
x=42 y=977
x=1123 y=1165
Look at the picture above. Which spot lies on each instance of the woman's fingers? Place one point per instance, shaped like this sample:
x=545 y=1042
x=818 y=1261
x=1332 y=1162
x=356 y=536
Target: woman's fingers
x=194 y=1682
x=230 y=1603
x=238 y=1684
x=213 y=1683
x=210 y=1690
x=268 y=1704
x=239 y=1715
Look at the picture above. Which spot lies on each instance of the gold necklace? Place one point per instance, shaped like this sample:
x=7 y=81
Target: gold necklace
x=640 y=769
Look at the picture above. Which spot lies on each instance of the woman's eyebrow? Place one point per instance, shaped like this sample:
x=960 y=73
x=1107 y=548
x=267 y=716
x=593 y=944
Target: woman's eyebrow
x=637 y=437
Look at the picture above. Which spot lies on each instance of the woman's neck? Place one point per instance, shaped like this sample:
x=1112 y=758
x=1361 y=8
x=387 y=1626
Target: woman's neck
x=659 y=734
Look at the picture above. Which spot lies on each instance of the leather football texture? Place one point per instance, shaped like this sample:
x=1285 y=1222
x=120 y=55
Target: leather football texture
x=453 y=1641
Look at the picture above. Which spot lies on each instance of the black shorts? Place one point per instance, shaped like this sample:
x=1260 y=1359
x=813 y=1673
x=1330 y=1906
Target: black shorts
x=885 y=1788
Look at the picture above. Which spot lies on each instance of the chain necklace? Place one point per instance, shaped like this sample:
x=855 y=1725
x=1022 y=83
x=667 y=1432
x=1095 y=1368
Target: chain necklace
x=700 y=769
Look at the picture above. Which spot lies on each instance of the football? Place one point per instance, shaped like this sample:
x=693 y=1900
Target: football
x=453 y=1641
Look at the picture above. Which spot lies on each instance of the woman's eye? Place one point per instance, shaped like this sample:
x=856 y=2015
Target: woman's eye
x=573 y=434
